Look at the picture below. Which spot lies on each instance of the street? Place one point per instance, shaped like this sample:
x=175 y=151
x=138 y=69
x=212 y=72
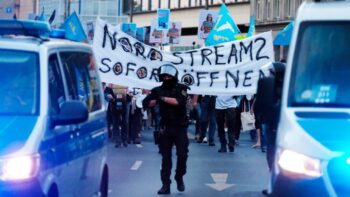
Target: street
x=134 y=171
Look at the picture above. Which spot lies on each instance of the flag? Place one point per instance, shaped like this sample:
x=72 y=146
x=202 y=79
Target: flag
x=42 y=16
x=129 y=28
x=225 y=28
x=52 y=17
x=283 y=37
x=73 y=28
x=163 y=16
x=251 y=30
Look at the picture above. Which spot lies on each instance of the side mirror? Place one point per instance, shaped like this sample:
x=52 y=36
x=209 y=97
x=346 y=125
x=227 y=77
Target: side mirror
x=265 y=96
x=72 y=112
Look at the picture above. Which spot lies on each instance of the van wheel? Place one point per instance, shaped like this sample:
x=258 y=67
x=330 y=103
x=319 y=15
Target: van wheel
x=104 y=183
x=53 y=192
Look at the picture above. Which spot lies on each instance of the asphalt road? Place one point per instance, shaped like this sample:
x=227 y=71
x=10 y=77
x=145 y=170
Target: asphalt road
x=134 y=171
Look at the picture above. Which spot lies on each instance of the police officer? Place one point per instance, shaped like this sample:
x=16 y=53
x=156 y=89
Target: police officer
x=171 y=97
x=268 y=105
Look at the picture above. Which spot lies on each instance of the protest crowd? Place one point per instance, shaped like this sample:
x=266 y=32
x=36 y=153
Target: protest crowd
x=127 y=118
x=220 y=98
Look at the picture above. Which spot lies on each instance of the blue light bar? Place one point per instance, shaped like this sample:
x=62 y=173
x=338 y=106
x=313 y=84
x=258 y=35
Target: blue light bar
x=348 y=161
x=24 y=27
x=58 y=33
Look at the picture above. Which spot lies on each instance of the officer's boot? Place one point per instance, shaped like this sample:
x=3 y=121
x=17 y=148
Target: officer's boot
x=223 y=149
x=165 y=177
x=164 y=190
x=180 y=183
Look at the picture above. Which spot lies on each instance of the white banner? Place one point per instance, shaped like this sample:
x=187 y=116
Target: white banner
x=229 y=68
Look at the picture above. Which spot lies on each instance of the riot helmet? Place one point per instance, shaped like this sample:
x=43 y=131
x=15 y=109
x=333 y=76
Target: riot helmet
x=167 y=69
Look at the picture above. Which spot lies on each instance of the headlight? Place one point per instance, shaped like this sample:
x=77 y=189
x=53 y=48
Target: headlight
x=300 y=164
x=19 y=168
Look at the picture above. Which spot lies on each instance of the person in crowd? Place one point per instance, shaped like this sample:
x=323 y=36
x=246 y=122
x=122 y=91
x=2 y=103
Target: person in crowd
x=271 y=112
x=196 y=116
x=109 y=97
x=144 y=119
x=121 y=119
x=207 y=117
x=247 y=105
x=115 y=115
x=257 y=131
x=238 y=123
x=171 y=97
x=225 y=107
x=135 y=118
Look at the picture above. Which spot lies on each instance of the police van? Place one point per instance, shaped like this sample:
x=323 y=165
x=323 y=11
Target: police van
x=53 y=133
x=313 y=136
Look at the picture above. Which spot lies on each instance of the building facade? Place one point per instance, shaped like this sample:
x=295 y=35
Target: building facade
x=9 y=8
x=187 y=12
x=269 y=14
x=274 y=15
x=87 y=10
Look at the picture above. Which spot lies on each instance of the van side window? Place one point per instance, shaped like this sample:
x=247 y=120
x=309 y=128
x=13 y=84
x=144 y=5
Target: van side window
x=56 y=88
x=81 y=77
x=97 y=104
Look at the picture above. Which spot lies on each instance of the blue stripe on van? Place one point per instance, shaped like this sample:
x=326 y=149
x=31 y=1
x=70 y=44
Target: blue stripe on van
x=67 y=149
x=334 y=134
x=327 y=115
x=14 y=132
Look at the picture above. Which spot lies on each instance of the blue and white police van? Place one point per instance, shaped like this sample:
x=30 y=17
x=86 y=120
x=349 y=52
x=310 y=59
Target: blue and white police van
x=313 y=136
x=53 y=133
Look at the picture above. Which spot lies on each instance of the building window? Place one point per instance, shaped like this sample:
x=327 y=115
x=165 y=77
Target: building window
x=258 y=10
x=96 y=7
x=184 y=3
x=268 y=9
x=164 y=4
x=137 y=5
x=174 y=4
x=276 y=8
x=288 y=8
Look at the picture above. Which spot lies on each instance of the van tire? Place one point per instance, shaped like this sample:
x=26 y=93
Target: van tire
x=104 y=182
x=53 y=192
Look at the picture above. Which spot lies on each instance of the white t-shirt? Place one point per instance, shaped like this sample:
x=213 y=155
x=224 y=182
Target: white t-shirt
x=225 y=102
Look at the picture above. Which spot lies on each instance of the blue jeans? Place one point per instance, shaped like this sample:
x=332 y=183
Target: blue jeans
x=263 y=137
x=208 y=118
x=198 y=113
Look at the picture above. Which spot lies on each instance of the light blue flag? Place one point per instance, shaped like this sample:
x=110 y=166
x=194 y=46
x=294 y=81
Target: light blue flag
x=42 y=16
x=73 y=28
x=283 y=37
x=251 y=30
x=225 y=29
x=129 y=28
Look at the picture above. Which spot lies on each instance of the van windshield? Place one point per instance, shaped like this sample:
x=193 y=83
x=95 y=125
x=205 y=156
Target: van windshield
x=321 y=66
x=19 y=79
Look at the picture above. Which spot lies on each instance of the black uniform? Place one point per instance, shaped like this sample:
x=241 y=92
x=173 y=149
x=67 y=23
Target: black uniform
x=173 y=128
x=110 y=110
